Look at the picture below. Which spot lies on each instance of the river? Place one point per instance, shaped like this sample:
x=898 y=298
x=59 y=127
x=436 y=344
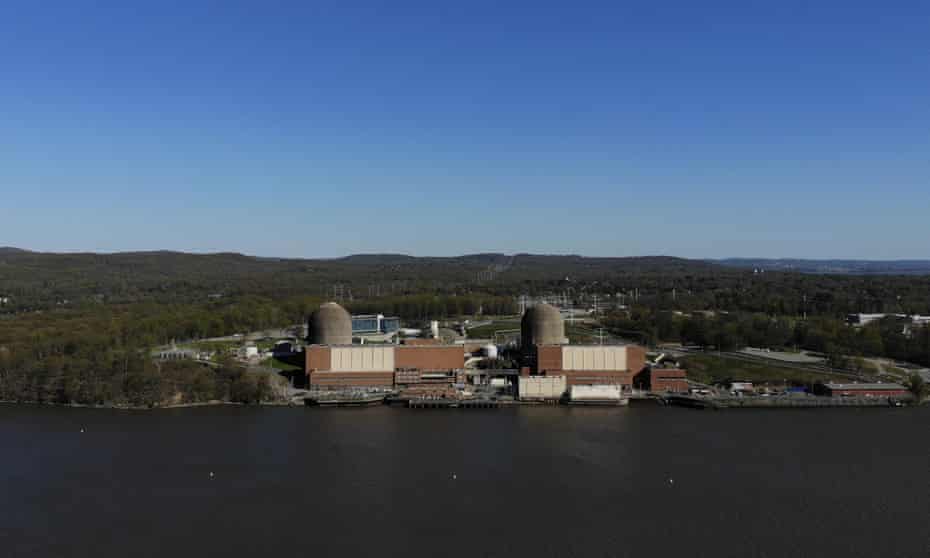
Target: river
x=531 y=481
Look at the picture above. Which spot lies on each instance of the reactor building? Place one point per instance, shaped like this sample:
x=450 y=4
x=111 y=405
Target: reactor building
x=330 y=324
x=546 y=352
x=332 y=361
x=541 y=325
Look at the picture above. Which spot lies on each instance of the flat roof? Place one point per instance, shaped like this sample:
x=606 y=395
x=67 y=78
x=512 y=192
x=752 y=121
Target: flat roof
x=367 y=345
x=586 y=345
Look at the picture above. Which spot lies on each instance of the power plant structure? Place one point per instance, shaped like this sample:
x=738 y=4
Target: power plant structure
x=550 y=367
x=333 y=362
x=330 y=324
x=541 y=325
x=546 y=352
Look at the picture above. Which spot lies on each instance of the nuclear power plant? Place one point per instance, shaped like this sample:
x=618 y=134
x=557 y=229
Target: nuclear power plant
x=426 y=369
x=541 y=325
x=332 y=361
x=331 y=324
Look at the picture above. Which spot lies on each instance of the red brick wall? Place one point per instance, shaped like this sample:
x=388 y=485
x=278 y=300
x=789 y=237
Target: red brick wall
x=317 y=357
x=548 y=358
x=351 y=379
x=446 y=357
x=675 y=385
x=635 y=358
x=666 y=380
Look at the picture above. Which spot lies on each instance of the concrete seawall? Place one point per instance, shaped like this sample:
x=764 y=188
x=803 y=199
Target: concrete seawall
x=782 y=402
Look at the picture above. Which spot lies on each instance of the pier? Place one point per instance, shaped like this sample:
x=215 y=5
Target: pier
x=428 y=403
x=756 y=402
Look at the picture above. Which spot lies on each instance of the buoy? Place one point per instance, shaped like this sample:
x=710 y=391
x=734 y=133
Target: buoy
x=211 y=474
x=454 y=476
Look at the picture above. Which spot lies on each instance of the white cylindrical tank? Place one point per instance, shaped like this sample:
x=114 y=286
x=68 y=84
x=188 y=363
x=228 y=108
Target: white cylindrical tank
x=490 y=350
x=434 y=329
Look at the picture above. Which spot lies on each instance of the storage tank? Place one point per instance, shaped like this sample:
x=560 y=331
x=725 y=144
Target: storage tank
x=331 y=324
x=490 y=351
x=541 y=325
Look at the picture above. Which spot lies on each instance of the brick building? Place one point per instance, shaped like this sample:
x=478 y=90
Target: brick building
x=666 y=380
x=591 y=364
x=341 y=366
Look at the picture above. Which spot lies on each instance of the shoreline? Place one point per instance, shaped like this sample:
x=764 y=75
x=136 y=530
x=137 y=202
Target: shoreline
x=116 y=407
x=706 y=404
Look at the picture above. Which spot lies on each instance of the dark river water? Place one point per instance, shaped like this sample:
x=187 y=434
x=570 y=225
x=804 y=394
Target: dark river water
x=642 y=481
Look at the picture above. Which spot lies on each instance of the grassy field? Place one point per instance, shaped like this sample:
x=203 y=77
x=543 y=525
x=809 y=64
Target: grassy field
x=487 y=331
x=280 y=364
x=579 y=334
x=708 y=368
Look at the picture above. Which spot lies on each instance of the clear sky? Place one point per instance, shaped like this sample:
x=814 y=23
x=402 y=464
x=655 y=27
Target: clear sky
x=699 y=129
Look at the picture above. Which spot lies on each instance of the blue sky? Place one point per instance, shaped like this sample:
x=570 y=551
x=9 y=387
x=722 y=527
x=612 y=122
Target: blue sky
x=696 y=129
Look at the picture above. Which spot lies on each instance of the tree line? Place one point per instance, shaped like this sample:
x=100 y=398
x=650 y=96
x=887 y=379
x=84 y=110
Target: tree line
x=726 y=331
x=96 y=354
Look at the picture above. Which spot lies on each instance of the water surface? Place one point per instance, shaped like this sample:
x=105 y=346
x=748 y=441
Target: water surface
x=547 y=481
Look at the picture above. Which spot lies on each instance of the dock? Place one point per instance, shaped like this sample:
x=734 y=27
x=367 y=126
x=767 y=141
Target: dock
x=757 y=402
x=445 y=403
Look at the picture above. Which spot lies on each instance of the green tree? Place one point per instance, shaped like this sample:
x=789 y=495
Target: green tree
x=918 y=387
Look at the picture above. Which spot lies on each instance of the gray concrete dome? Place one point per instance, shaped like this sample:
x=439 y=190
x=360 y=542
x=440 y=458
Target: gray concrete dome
x=331 y=324
x=542 y=325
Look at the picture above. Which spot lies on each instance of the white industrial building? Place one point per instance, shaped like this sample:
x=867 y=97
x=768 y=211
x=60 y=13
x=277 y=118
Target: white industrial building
x=541 y=388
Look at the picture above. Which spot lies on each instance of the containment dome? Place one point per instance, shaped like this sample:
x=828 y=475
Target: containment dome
x=331 y=324
x=542 y=325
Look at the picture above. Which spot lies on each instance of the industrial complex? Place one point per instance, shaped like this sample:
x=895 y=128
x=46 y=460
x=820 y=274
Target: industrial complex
x=550 y=369
x=336 y=358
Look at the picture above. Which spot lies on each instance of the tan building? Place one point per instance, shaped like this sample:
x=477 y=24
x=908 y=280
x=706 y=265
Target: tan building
x=340 y=366
x=591 y=364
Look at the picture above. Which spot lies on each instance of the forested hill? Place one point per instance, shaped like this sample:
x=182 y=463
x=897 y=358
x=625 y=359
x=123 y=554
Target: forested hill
x=32 y=279
x=843 y=267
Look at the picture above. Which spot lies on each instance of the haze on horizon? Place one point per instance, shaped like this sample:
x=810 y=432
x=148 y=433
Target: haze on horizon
x=700 y=130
